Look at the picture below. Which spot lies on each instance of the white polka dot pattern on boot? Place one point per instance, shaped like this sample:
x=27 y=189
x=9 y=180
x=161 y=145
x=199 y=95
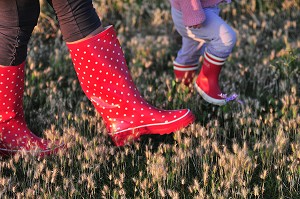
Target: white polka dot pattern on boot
x=14 y=134
x=104 y=77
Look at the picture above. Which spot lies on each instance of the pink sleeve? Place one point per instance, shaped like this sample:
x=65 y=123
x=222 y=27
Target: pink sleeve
x=192 y=12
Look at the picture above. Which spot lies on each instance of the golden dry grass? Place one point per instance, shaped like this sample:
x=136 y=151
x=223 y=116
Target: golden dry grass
x=236 y=151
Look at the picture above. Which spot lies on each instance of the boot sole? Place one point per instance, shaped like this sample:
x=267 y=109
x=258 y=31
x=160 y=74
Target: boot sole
x=130 y=135
x=39 y=153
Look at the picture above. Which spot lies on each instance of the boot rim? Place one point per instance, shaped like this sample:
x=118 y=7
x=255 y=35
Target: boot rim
x=187 y=65
x=186 y=69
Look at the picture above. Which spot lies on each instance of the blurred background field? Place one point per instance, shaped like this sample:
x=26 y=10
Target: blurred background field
x=249 y=150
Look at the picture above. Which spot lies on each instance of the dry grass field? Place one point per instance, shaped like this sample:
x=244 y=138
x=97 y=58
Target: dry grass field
x=249 y=150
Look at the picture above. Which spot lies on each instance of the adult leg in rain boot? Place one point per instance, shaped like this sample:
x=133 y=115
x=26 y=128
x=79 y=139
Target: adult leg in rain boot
x=17 y=21
x=104 y=77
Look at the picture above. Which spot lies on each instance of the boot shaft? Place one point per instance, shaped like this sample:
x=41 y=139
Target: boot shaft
x=207 y=83
x=185 y=73
x=101 y=68
x=105 y=79
x=11 y=92
x=212 y=66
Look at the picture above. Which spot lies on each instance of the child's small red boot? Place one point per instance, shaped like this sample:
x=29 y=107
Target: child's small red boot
x=207 y=83
x=185 y=73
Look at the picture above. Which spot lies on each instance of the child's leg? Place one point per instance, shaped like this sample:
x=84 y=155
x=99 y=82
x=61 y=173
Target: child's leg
x=215 y=32
x=186 y=62
x=220 y=39
x=189 y=52
x=219 y=36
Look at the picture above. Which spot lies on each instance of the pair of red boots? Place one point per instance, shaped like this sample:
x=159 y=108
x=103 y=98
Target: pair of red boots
x=207 y=82
x=105 y=79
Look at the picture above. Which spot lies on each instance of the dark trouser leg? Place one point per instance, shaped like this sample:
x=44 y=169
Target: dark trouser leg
x=77 y=18
x=17 y=20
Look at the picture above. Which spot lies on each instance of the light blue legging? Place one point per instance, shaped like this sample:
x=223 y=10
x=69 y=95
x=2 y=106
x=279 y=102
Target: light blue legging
x=215 y=36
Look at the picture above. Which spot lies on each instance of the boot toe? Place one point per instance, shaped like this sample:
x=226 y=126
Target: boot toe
x=171 y=121
x=205 y=95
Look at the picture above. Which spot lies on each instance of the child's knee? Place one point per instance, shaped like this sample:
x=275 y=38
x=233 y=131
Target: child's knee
x=231 y=41
x=228 y=38
x=223 y=46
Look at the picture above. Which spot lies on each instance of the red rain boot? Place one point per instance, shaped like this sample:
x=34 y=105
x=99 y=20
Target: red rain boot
x=104 y=77
x=185 y=73
x=14 y=134
x=207 y=83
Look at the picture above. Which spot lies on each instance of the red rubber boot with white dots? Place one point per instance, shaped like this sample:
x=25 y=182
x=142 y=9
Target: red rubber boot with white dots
x=207 y=83
x=104 y=77
x=14 y=134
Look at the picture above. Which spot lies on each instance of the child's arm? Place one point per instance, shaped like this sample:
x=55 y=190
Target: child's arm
x=192 y=12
